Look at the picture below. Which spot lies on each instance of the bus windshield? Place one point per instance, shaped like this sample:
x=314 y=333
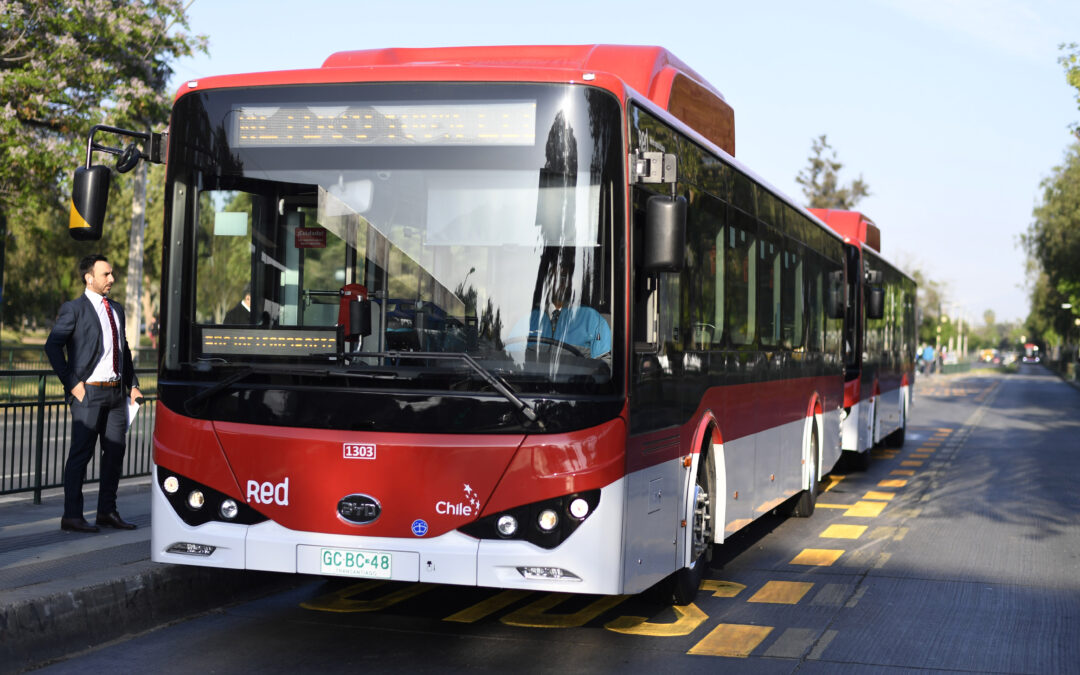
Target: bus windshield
x=473 y=219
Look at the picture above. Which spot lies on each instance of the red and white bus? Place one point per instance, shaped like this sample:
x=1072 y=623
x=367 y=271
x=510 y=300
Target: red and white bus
x=880 y=339
x=515 y=317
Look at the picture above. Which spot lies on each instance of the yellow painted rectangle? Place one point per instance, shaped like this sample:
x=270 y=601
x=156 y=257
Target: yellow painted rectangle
x=899 y=472
x=782 y=592
x=866 y=509
x=892 y=483
x=919 y=455
x=833 y=506
x=820 y=557
x=882 y=496
x=911 y=462
x=843 y=532
x=926 y=450
x=731 y=639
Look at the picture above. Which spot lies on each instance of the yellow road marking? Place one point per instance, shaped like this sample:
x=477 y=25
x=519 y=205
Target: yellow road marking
x=833 y=482
x=820 y=557
x=843 y=531
x=899 y=472
x=721 y=589
x=884 y=496
x=944 y=430
x=866 y=509
x=731 y=639
x=782 y=592
x=687 y=620
x=926 y=450
x=833 y=506
x=911 y=462
x=892 y=483
x=920 y=456
x=487 y=607
x=535 y=615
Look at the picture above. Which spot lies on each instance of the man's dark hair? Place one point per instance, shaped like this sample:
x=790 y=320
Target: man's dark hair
x=86 y=265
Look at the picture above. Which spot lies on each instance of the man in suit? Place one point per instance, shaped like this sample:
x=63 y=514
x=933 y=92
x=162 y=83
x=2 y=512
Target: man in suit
x=99 y=379
x=241 y=311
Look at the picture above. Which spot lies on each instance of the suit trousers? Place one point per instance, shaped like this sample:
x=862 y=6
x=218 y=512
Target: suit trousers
x=101 y=414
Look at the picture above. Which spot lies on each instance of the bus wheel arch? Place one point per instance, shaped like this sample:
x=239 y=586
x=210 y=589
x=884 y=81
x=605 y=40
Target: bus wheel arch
x=803 y=506
x=703 y=514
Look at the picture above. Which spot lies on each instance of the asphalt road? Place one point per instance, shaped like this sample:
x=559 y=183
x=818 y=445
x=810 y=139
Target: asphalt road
x=958 y=553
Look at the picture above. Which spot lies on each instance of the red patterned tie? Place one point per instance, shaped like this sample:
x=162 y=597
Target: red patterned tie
x=115 y=338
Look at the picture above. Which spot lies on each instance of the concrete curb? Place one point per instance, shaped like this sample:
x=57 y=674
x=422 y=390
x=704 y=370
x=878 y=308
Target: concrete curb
x=51 y=620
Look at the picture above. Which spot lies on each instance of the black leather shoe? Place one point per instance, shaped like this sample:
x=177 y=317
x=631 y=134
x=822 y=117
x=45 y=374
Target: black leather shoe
x=114 y=520
x=77 y=525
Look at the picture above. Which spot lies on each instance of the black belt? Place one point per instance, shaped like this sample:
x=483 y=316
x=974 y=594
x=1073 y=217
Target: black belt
x=114 y=383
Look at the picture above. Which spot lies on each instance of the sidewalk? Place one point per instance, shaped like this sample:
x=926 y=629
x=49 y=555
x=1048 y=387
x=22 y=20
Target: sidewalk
x=64 y=592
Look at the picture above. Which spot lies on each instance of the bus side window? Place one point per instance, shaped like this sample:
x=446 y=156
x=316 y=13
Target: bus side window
x=769 y=286
x=792 y=311
x=704 y=271
x=740 y=279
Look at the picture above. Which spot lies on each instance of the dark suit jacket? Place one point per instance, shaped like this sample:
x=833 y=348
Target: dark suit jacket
x=238 y=314
x=78 y=331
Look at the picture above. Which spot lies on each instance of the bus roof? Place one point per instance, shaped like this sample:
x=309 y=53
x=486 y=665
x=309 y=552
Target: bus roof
x=851 y=225
x=651 y=71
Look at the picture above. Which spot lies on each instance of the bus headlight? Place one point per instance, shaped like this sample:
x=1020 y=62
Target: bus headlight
x=579 y=508
x=171 y=485
x=548 y=520
x=229 y=509
x=507 y=525
x=195 y=499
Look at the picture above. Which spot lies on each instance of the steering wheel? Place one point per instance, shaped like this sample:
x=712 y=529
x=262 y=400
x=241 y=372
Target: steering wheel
x=533 y=340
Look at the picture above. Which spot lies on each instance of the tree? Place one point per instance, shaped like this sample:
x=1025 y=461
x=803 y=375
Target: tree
x=66 y=65
x=820 y=183
x=1070 y=61
x=1052 y=243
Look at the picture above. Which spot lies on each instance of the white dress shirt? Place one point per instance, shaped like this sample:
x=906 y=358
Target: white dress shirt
x=103 y=371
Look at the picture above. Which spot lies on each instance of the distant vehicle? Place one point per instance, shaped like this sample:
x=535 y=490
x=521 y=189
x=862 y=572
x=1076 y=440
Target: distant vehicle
x=879 y=339
x=1031 y=353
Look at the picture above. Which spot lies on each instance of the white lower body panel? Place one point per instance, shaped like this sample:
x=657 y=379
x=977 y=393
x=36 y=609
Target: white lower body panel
x=593 y=553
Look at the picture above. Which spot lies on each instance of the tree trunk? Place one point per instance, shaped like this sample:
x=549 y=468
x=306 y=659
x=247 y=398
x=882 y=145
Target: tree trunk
x=133 y=283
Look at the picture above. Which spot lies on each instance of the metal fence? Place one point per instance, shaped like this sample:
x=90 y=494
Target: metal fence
x=36 y=431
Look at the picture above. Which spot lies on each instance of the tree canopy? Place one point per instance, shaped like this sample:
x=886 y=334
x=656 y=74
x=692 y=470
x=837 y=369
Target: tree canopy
x=66 y=65
x=1052 y=241
x=821 y=184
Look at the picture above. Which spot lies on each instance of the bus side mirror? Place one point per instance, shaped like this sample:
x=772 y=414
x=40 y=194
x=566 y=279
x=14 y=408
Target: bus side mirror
x=834 y=295
x=875 y=302
x=665 y=234
x=89 y=197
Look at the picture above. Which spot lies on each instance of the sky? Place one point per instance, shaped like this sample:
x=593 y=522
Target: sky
x=952 y=111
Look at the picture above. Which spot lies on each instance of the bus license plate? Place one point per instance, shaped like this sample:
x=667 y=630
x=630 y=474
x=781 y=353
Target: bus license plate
x=355 y=563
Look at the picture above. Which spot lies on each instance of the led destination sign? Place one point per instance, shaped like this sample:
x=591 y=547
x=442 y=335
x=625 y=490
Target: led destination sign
x=494 y=123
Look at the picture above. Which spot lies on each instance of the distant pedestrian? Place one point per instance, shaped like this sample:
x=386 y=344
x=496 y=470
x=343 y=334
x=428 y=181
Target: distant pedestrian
x=99 y=380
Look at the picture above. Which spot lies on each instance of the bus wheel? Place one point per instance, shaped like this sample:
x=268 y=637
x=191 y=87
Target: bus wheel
x=804 y=503
x=684 y=583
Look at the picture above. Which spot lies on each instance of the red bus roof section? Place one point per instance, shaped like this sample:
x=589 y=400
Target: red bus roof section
x=651 y=71
x=851 y=225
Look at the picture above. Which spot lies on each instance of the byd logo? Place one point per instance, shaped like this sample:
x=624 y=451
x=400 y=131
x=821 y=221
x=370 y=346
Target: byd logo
x=268 y=493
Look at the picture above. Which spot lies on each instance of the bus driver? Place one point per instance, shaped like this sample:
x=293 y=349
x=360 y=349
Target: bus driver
x=566 y=320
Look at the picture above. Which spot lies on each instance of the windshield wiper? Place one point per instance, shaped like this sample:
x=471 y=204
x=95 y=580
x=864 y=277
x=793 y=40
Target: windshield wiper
x=496 y=382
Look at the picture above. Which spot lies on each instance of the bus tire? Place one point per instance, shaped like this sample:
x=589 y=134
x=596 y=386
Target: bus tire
x=804 y=503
